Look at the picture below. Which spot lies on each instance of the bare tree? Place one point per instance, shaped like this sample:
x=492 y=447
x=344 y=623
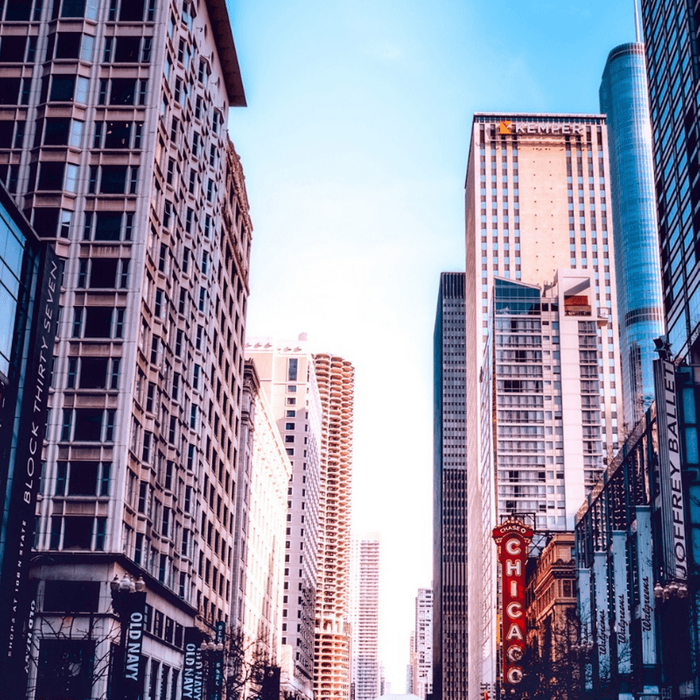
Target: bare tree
x=70 y=656
x=249 y=672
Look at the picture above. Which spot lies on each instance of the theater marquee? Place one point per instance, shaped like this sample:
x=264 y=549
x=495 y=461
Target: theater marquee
x=512 y=538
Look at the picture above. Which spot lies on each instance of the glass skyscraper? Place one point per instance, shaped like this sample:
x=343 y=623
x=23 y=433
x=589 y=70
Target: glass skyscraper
x=451 y=602
x=671 y=53
x=624 y=98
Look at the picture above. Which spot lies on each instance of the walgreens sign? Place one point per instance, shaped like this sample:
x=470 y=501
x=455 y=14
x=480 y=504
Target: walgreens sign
x=512 y=538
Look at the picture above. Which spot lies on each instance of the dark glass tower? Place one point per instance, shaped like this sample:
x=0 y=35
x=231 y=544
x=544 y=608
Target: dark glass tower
x=671 y=33
x=672 y=52
x=624 y=98
x=450 y=612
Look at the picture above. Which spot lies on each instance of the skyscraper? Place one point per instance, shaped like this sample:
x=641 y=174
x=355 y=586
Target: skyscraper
x=364 y=618
x=536 y=204
x=288 y=378
x=671 y=44
x=336 y=385
x=624 y=99
x=259 y=549
x=422 y=645
x=113 y=134
x=450 y=493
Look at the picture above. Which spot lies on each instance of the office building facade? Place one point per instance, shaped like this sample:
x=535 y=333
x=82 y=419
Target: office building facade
x=671 y=50
x=536 y=204
x=114 y=144
x=637 y=569
x=364 y=618
x=450 y=493
x=625 y=101
x=261 y=510
x=288 y=379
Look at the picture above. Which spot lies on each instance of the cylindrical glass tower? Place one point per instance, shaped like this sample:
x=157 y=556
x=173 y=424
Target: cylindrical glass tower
x=624 y=98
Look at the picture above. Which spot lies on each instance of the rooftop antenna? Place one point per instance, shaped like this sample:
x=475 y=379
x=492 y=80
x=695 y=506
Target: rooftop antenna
x=637 y=28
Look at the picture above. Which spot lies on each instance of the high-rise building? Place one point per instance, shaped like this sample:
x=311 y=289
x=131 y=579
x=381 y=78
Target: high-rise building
x=450 y=493
x=113 y=137
x=336 y=385
x=671 y=50
x=364 y=618
x=261 y=508
x=541 y=399
x=288 y=378
x=671 y=46
x=625 y=101
x=536 y=204
x=422 y=646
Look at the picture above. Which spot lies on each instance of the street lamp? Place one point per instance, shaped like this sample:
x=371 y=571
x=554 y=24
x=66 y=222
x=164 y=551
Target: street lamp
x=670 y=591
x=129 y=603
x=213 y=653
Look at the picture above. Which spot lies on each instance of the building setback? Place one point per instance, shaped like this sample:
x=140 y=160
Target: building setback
x=450 y=532
x=114 y=144
x=624 y=99
x=364 y=618
x=536 y=203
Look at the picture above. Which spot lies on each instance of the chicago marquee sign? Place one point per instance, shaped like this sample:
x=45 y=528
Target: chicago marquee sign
x=512 y=538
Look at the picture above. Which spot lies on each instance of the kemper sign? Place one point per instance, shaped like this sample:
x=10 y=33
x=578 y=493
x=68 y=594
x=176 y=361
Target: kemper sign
x=512 y=538
x=670 y=481
x=509 y=127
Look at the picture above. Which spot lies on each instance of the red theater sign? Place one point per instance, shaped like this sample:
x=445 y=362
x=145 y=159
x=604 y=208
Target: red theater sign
x=512 y=538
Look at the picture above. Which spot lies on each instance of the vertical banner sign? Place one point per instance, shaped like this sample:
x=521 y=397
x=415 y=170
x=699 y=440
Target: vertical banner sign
x=602 y=614
x=23 y=481
x=133 y=615
x=584 y=612
x=192 y=668
x=646 y=585
x=512 y=538
x=671 y=484
x=218 y=663
x=622 y=603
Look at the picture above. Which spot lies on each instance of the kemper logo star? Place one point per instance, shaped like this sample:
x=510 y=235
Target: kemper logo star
x=510 y=127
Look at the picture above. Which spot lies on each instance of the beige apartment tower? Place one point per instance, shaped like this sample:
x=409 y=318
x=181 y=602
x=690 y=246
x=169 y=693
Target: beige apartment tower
x=537 y=204
x=336 y=384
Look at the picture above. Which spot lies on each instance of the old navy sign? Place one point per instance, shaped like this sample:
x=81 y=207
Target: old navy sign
x=670 y=480
x=135 y=626
x=192 y=679
x=512 y=538
x=509 y=127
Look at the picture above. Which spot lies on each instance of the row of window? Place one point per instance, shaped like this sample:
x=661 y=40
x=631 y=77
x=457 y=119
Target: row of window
x=118 y=10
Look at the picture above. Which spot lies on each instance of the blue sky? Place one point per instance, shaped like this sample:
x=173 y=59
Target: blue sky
x=354 y=144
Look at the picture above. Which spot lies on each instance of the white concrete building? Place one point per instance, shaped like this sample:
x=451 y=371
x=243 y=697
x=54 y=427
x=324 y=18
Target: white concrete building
x=364 y=617
x=288 y=379
x=261 y=510
x=422 y=645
